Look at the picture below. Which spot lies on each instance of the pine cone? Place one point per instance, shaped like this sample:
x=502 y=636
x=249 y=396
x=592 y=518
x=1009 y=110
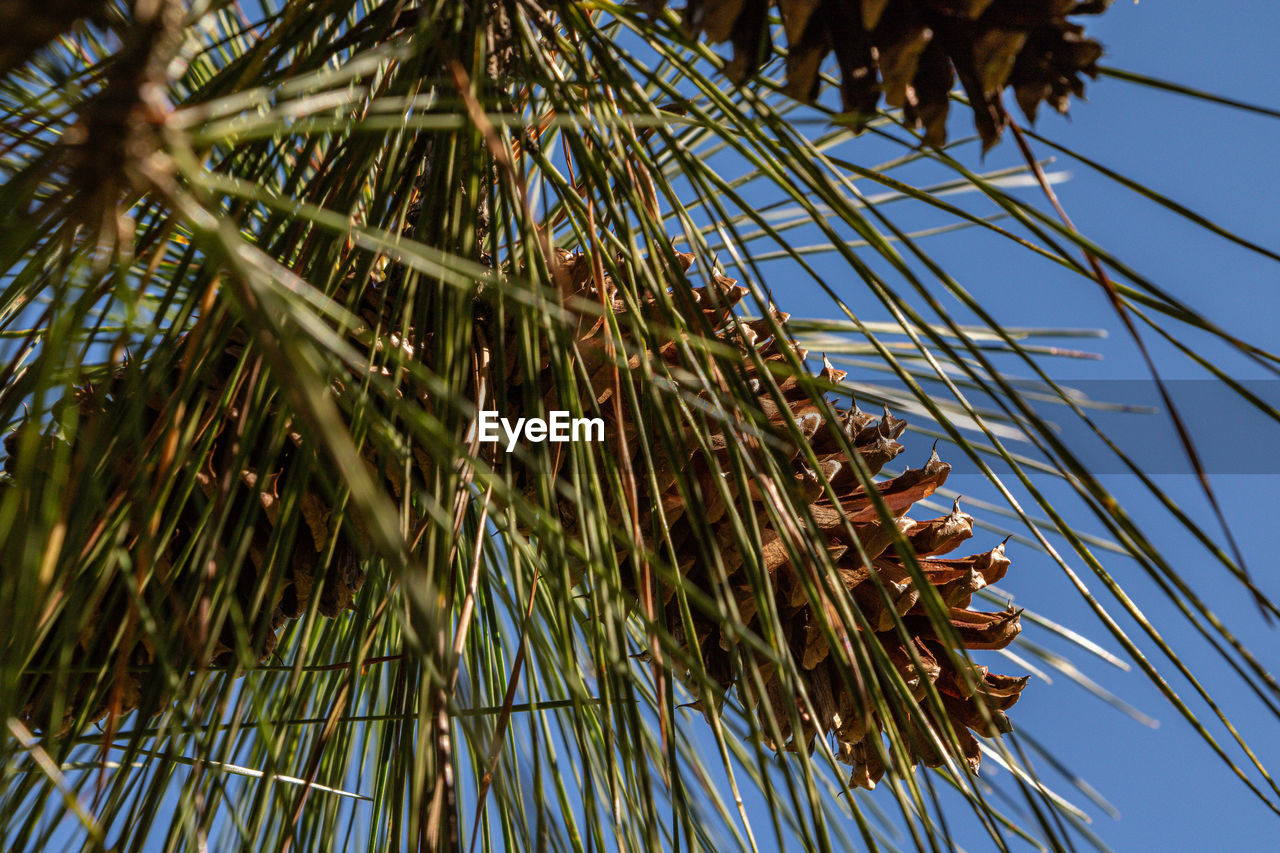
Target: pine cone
x=849 y=718
x=277 y=582
x=910 y=52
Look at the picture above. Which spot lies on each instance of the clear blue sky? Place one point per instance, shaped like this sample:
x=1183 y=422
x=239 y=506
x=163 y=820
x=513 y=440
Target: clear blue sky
x=1173 y=793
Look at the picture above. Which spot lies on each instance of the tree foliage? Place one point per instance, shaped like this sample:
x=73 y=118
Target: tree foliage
x=263 y=267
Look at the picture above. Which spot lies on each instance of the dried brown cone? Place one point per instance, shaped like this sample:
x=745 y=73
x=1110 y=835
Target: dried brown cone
x=294 y=561
x=301 y=558
x=910 y=52
x=973 y=699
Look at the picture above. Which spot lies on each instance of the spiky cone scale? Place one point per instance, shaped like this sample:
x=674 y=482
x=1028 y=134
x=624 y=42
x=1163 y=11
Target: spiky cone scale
x=880 y=586
x=910 y=52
